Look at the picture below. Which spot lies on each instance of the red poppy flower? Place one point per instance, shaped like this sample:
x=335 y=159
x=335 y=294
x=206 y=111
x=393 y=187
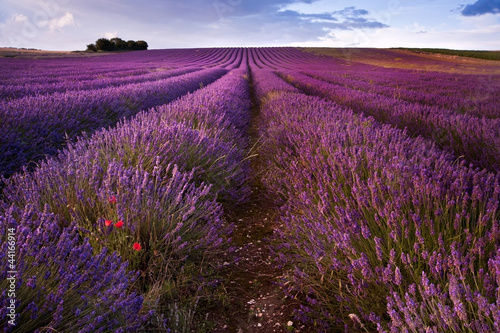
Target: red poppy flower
x=112 y=199
x=119 y=224
x=107 y=223
x=137 y=246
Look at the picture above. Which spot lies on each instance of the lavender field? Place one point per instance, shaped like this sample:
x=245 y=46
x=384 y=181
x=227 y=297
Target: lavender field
x=120 y=176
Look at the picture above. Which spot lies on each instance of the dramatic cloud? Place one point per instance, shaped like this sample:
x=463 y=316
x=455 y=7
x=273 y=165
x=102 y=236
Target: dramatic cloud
x=352 y=18
x=345 y=19
x=199 y=11
x=481 y=7
x=70 y=25
x=351 y=12
x=17 y=29
x=194 y=23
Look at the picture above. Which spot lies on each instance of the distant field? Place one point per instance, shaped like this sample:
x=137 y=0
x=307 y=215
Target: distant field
x=249 y=189
x=6 y=52
x=406 y=59
x=488 y=55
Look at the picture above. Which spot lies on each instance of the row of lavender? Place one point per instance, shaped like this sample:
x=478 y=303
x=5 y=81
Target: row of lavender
x=118 y=230
x=19 y=79
x=464 y=93
x=462 y=128
x=381 y=231
x=45 y=116
x=455 y=95
x=165 y=173
x=35 y=126
x=54 y=70
x=9 y=92
x=477 y=139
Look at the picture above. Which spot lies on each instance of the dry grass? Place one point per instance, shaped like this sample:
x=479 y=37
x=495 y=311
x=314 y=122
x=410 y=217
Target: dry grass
x=8 y=52
x=393 y=58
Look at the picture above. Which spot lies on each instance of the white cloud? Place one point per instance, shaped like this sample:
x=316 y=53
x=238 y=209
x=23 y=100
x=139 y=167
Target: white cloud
x=413 y=35
x=58 y=23
x=196 y=23
x=19 y=18
x=112 y=34
x=17 y=30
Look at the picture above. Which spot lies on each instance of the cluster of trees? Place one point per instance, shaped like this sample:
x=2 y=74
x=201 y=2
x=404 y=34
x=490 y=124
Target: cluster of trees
x=117 y=44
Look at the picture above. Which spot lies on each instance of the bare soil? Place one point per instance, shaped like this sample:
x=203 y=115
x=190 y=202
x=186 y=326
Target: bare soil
x=256 y=304
x=255 y=301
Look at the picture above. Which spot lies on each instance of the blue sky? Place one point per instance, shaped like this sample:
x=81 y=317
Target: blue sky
x=72 y=24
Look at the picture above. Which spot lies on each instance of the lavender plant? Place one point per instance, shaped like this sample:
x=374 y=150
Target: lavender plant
x=11 y=91
x=370 y=230
x=380 y=231
x=470 y=94
x=36 y=126
x=148 y=189
x=221 y=111
x=60 y=283
x=464 y=135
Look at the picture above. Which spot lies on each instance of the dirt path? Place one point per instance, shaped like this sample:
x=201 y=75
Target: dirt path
x=256 y=304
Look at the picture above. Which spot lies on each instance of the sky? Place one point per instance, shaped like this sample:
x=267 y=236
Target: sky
x=68 y=25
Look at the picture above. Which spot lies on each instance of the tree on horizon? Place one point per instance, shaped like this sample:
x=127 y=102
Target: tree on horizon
x=117 y=44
